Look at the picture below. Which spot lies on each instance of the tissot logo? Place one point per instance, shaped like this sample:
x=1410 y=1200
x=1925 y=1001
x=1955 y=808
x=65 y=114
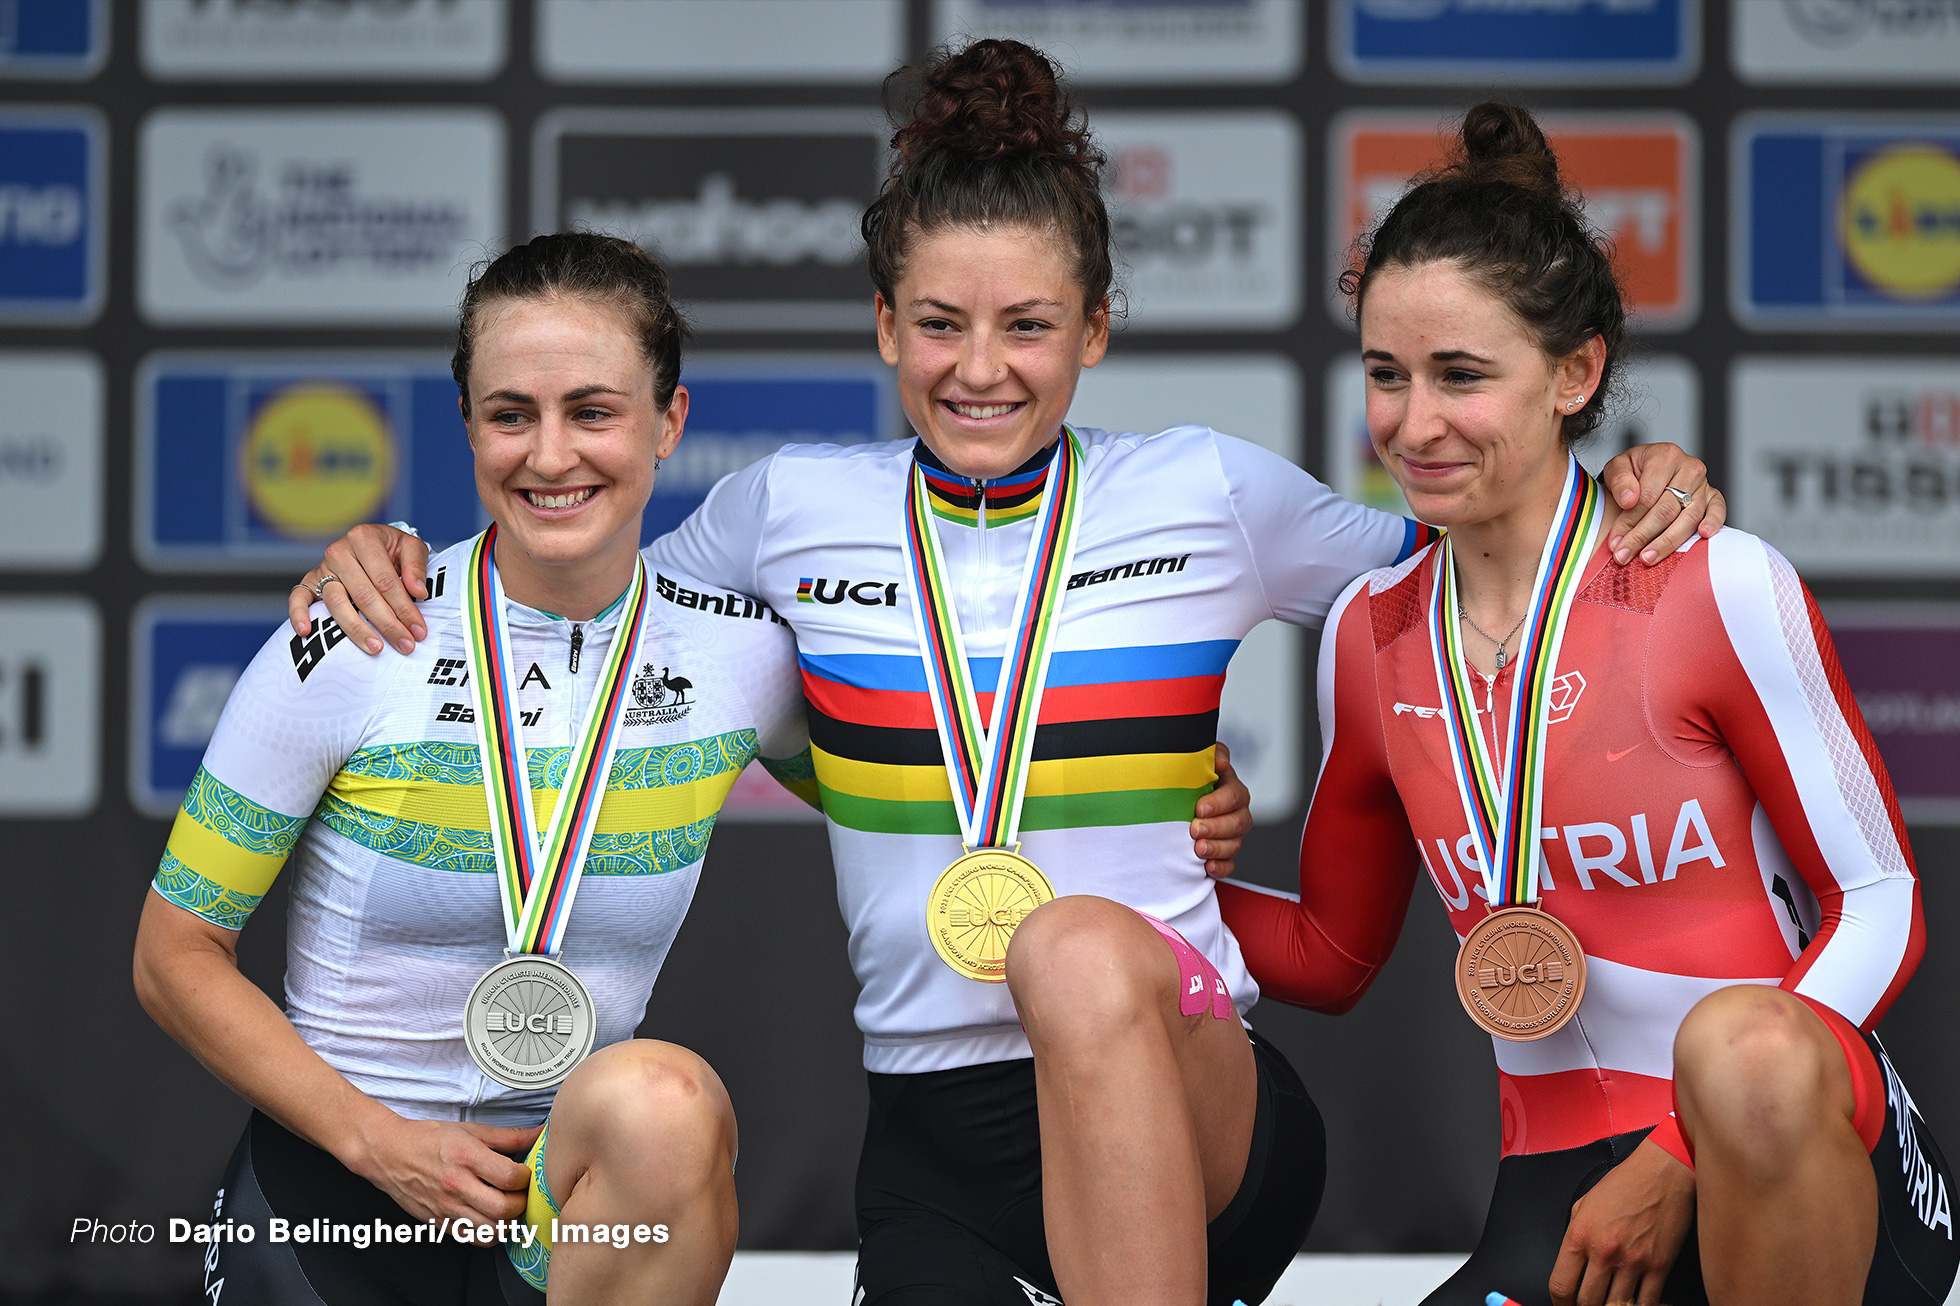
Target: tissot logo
x=754 y=211
x=864 y=593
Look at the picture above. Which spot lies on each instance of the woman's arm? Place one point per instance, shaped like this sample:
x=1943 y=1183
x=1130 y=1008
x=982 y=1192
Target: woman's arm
x=1357 y=857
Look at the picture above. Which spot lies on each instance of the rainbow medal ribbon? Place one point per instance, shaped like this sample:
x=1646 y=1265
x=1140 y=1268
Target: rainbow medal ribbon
x=1520 y=972
x=529 y=1021
x=979 y=900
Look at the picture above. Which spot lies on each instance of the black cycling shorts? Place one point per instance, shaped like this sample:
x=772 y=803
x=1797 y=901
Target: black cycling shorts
x=1912 y=1265
x=274 y=1172
x=949 y=1190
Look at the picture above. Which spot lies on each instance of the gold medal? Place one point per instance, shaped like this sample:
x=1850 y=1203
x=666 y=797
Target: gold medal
x=975 y=906
x=1521 y=974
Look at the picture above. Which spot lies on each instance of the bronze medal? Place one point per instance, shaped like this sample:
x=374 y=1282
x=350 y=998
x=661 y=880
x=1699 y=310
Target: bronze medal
x=975 y=906
x=1521 y=974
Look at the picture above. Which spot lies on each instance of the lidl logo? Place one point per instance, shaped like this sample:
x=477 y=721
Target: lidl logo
x=319 y=457
x=252 y=461
x=1901 y=221
x=1638 y=173
x=1852 y=217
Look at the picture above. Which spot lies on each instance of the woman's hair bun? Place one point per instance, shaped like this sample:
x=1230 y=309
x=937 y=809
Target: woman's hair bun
x=1503 y=143
x=990 y=100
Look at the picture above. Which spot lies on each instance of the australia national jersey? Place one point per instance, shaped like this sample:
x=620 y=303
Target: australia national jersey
x=1715 y=813
x=1187 y=540
x=362 y=773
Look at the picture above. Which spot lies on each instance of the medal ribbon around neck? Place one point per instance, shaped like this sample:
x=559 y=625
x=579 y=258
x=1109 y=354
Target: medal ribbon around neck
x=1503 y=806
x=537 y=878
x=989 y=768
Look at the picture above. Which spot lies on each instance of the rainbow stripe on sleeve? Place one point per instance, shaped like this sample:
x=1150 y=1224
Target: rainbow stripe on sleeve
x=1125 y=737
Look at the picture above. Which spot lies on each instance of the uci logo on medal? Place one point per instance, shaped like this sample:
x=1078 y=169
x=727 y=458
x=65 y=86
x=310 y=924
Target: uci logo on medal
x=1900 y=221
x=317 y=458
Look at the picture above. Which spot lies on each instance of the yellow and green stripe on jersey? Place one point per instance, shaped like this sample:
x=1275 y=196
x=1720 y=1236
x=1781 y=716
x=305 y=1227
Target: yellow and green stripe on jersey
x=1124 y=737
x=423 y=803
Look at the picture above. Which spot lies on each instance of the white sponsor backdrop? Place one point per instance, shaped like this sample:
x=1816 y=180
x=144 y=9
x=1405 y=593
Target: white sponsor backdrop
x=50 y=700
x=1103 y=43
x=315 y=216
x=1255 y=397
x=693 y=41
x=1662 y=402
x=50 y=460
x=1850 y=466
x=348 y=40
x=1206 y=208
x=1846 y=41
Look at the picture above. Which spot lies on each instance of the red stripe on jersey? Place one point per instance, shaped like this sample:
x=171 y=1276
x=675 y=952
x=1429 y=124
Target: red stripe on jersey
x=1549 y=1113
x=902 y=710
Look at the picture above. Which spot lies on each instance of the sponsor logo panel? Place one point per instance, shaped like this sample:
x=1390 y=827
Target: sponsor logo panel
x=742 y=408
x=1847 y=222
x=186 y=655
x=315 y=216
x=1663 y=402
x=53 y=39
x=1111 y=42
x=754 y=211
x=1640 y=174
x=1837 y=41
x=250 y=462
x=1850 y=466
x=53 y=184
x=50 y=460
x=1546 y=42
x=347 y=40
x=1205 y=213
x=50 y=703
x=1255 y=397
x=1899 y=660
x=693 y=41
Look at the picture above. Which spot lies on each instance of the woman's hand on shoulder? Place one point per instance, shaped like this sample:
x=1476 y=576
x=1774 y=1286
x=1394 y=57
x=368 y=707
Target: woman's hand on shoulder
x=443 y=1169
x=1652 y=522
x=1224 y=817
x=1625 y=1233
x=372 y=571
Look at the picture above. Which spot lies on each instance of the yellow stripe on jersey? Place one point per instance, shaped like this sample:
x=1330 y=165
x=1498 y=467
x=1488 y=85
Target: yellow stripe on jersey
x=224 y=852
x=463 y=807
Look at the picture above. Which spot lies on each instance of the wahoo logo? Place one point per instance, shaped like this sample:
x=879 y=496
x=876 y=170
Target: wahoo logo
x=865 y=593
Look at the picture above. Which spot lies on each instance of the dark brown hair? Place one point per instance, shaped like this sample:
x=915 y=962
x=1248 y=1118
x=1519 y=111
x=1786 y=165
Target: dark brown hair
x=1498 y=211
x=580 y=265
x=987 y=135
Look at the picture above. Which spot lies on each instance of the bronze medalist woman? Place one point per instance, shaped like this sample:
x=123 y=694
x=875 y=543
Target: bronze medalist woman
x=1647 y=798
x=1011 y=730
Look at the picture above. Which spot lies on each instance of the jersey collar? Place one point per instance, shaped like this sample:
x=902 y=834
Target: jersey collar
x=1011 y=498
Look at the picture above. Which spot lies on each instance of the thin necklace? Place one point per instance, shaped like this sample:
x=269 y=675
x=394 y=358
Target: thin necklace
x=1461 y=612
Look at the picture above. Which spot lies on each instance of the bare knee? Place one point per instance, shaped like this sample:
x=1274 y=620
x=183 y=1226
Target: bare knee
x=1755 y=1067
x=1086 y=968
x=645 y=1098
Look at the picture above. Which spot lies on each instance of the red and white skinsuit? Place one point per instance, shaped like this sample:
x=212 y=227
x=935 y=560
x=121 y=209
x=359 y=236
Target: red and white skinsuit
x=1715 y=813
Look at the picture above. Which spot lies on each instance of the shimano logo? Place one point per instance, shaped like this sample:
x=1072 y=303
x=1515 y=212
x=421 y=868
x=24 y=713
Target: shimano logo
x=40 y=215
x=718 y=225
x=312 y=223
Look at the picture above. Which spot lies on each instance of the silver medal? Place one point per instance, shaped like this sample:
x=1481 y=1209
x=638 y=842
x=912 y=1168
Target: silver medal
x=529 y=1022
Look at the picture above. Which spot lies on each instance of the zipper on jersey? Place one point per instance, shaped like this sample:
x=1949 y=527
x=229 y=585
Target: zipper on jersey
x=578 y=642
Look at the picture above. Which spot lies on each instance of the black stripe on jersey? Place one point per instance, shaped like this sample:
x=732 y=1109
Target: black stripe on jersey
x=1121 y=736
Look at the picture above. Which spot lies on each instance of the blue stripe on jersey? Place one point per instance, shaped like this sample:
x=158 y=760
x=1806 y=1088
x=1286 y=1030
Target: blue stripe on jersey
x=905 y=673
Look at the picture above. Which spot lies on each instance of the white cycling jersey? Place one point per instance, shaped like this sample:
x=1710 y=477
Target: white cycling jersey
x=362 y=774
x=1187 y=540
